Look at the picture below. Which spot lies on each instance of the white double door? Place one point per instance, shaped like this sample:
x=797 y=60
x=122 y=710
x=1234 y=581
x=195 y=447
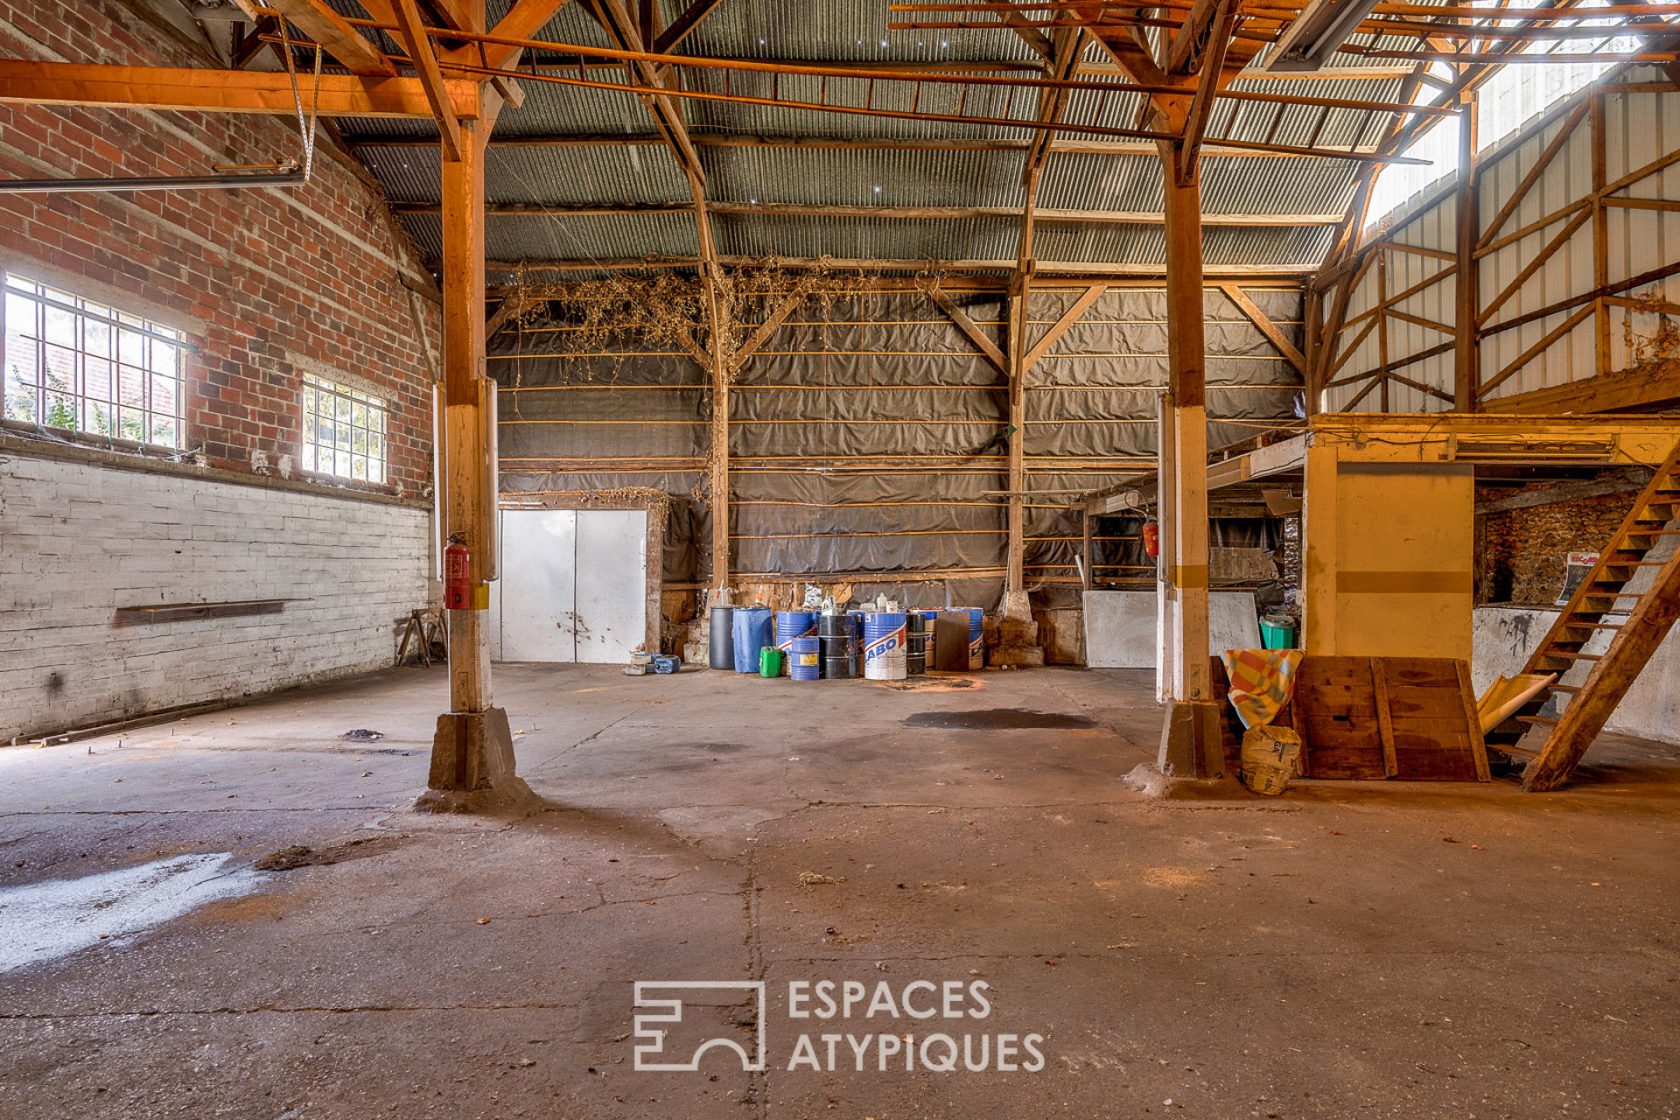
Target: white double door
x=573 y=585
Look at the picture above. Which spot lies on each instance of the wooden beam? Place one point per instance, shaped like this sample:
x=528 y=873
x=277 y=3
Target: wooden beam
x=1467 y=350
x=1117 y=271
x=224 y=91
x=1060 y=327
x=1646 y=387
x=971 y=331
x=1015 y=388
x=687 y=21
x=522 y=21
x=770 y=325
x=1191 y=38
x=1539 y=347
x=1042 y=215
x=1184 y=529
x=1251 y=311
x=469 y=481
x=1535 y=263
x=1532 y=176
x=1215 y=75
x=318 y=20
x=413 y=30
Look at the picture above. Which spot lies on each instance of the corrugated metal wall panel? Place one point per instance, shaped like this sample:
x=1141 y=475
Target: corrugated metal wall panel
x=1641 y=128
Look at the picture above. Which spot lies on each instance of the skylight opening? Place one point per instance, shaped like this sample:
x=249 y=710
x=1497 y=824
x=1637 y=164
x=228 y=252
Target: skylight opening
x=1515 y=95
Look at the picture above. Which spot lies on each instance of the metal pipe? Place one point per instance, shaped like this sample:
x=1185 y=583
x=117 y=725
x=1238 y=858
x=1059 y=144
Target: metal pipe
x=156 y=183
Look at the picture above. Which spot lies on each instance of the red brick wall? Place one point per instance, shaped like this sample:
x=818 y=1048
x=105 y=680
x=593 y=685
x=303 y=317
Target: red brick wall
x=266 y=281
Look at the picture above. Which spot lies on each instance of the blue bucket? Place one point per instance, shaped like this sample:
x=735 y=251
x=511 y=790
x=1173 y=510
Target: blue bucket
x=752 y=633
x=976 y=637
x=885 y=646
x=791 y=625
x=805 y=661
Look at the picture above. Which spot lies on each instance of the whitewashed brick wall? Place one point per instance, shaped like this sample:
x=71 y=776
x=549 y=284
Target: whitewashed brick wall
x=79 y=540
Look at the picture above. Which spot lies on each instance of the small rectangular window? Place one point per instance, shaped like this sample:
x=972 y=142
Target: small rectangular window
x=343 y=431
x=83 y=366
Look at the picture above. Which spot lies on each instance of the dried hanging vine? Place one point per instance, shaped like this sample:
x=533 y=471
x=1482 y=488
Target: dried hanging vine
x=1655 y=348
x=628 y=313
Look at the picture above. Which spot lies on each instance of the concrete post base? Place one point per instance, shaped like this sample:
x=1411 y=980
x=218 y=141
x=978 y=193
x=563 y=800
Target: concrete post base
x=473 y=769
x=1190 y=742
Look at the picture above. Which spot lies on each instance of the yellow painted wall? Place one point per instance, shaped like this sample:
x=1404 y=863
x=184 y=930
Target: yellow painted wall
x=1388 y=561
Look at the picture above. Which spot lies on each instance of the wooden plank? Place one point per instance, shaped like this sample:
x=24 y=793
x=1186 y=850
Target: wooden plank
x=182 y=612
x=318 y=20
x=1385 y=720
x=1478 y=745
x=224 y=91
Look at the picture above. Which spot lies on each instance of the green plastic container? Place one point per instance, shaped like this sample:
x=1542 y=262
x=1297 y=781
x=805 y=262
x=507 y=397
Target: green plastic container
x=769 y=661
x=1274 y=635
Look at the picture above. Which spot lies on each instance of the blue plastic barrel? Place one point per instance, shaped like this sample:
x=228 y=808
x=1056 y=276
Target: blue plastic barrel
x=791 y=625
x=930 y=624
x=976 y=637
x=885 y=656
x=752 y=633
x=805 y=661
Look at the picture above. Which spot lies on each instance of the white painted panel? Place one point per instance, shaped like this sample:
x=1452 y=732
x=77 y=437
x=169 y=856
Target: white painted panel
x=1120 y=626
x=611 y=584
x=538 y=587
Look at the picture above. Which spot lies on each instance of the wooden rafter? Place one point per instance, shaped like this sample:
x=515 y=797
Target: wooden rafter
x=686 y=23
x=431 y=77
x=318 y=20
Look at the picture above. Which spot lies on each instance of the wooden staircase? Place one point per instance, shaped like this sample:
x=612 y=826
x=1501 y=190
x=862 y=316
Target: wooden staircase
x=1555 y=728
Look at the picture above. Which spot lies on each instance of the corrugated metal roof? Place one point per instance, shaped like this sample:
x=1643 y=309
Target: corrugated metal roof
x=843 y=32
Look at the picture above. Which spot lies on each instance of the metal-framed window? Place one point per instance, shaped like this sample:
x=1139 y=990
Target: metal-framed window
x=343 y=431
x=85 y=366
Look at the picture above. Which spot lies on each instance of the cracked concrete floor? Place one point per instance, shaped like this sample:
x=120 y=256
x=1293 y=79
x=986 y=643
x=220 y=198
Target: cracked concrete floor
x=1351 y=949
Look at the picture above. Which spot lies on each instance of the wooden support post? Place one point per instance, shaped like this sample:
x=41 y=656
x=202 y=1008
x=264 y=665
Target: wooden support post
x=1015 y=579
x=472 y=766
x=1466 y=352
x=1600 y=236
x=1190 y=742
x=718 y=367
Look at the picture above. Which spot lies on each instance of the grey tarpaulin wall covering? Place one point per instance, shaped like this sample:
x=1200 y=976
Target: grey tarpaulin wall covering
x=866 y=433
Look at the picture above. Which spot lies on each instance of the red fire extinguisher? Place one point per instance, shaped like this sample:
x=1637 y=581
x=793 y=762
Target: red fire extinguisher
x=457 y=576
x=1151 y=539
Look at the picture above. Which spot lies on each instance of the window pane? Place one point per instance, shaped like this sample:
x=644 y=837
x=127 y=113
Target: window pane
x=60 y=371
x=343 y=431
